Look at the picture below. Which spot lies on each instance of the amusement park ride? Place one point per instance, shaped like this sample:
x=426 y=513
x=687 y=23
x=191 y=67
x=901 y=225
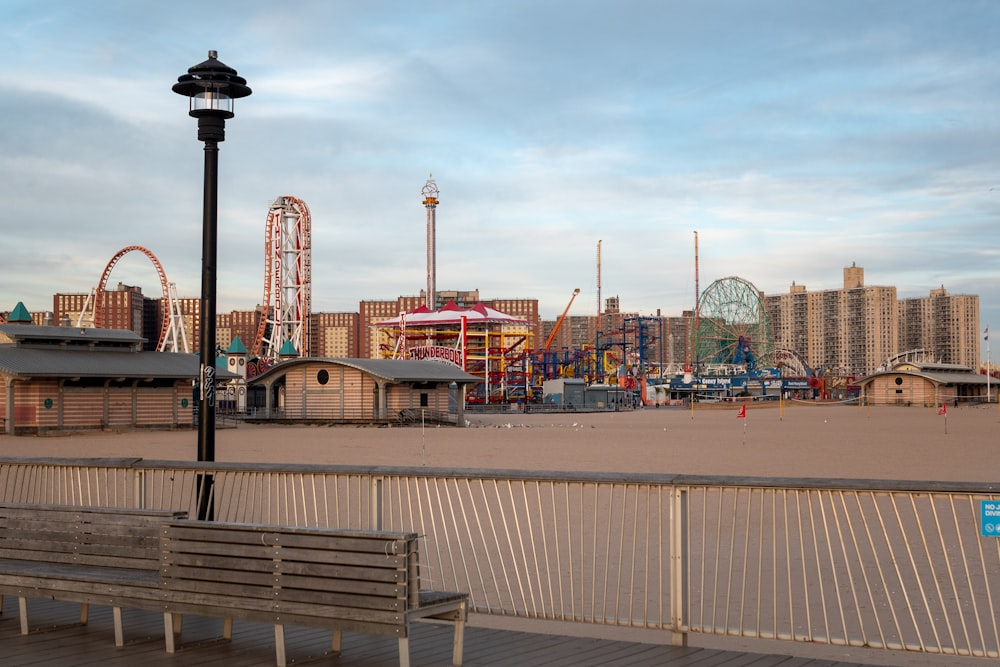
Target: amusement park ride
x=287 y=280
x=172 y=336
x=729 y=347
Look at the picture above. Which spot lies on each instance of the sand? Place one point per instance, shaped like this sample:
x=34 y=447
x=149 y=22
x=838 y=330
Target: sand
x=798 y=440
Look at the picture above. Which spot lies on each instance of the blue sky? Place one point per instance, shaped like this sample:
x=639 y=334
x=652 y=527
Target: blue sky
x=796 y=138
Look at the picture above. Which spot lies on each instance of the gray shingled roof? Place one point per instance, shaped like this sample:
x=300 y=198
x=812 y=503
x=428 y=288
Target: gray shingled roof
x=40 y=362
x=940 y=377
x=22 y=332
x=391 y=370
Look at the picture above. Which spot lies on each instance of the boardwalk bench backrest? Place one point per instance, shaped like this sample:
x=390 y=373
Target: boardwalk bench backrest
x=301 y=576
x=100 y=537
x=96 y=555
x=342 y=580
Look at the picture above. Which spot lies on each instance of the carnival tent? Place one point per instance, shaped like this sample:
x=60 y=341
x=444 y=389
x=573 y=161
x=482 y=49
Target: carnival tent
x=450 y=313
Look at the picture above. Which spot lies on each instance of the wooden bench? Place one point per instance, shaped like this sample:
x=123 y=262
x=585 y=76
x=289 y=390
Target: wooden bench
x=358 y=581
x=88 y=555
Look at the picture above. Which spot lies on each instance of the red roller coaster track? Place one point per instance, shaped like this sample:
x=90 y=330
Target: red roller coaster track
x=99 y=294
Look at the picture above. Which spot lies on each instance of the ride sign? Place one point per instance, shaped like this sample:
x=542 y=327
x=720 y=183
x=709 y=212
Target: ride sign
x=990 y=511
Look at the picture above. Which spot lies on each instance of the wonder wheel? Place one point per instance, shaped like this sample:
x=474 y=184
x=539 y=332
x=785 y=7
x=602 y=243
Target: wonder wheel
x=733 y=329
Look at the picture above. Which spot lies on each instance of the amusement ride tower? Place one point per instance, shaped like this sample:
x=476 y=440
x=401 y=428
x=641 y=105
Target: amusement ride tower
x=287 y=279
x=430 y=192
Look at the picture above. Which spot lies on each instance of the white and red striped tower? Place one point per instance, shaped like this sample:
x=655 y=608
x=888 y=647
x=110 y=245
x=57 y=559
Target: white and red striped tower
x=287 y=279
x=430 y=192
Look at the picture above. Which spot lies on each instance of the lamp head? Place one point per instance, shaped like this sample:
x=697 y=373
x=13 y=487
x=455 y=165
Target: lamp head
x=211 y=87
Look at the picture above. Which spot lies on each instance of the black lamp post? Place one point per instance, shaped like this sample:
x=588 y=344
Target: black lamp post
x=212 y=88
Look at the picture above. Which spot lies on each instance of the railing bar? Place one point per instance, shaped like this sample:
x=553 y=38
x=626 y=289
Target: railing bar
x=593 y=566
x=611 y=567
x=799 y=496
x=750 y=494
x=813 y=498
x=849 y=573
x=534 y=595
x=822 y=496
x=642 y=491
x=463 y=513
x=427 y=516
x=482 y=536
x=543 y=524
x=932 y=501
x=716 y=596
x=859 y=558
x=510 y=547
x=915 y=565
x=903 y=587
x=889 y=599
x=311 y=479
x=524 y=575
x=774 y=565
x=496 y=540
x=489 y=556
x=967 y=570
x=262 y=481
x=571 y=551
x=558 y=556
x=447 y=503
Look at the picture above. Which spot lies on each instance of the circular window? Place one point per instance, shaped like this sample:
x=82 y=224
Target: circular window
x=323 y=376
x=898 y=381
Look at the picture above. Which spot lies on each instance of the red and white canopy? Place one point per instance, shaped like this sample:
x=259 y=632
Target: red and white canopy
x=450 y=313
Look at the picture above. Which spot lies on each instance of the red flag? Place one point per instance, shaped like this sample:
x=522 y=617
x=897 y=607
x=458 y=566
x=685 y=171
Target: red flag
x=743 y=412
x=943 y=410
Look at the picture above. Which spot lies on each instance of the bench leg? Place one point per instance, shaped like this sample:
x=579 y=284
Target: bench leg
x=227 y=628
x=404 y=652
x=119 y=630
x=456 y=651
x=338 y=641
x=279 y=644
x=168 y=629
x=22 y=605
x=84 y=613
x=178 y=624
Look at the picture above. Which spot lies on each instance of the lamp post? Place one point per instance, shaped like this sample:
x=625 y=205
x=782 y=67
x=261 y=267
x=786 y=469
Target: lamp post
x=211 y=88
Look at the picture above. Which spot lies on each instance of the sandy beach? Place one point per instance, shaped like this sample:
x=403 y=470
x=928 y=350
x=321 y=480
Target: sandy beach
x=798 y=440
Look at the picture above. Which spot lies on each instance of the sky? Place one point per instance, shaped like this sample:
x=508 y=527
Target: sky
x=795 y=137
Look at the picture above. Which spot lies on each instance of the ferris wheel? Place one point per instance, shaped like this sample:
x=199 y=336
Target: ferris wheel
x=732 y=328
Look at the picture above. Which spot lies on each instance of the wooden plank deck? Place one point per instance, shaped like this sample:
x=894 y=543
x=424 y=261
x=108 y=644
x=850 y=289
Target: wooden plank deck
x=53 y=644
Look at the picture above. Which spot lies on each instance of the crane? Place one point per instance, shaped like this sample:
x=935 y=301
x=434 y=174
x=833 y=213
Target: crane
x=555 y=329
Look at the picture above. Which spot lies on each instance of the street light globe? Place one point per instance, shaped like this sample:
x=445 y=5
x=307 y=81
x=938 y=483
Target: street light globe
x=212 y=88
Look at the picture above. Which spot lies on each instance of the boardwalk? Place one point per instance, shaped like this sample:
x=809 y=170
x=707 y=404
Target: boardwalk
x=56 y=641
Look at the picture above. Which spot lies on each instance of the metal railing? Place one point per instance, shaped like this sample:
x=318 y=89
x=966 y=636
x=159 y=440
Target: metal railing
x=854 y=562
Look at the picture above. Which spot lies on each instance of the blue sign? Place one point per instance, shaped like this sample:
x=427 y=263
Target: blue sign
x=990 y=517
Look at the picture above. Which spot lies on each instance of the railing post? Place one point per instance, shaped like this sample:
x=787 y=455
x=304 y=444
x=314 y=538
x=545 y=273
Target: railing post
x=678 y=565
x=139 y=484
x=375 y=505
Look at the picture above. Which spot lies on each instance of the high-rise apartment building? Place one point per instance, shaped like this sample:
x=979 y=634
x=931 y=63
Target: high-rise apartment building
x=854 y=330
x=524 y=309
x=241 y=323
x=370 y=312
x=122 y=308
x=943 y=324
x=334 y=334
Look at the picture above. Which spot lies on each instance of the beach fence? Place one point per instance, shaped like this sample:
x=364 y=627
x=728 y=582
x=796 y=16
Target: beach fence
x=881 y=564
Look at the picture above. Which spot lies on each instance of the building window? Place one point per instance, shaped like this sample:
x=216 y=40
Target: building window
x=323 y=376
x=424 y=400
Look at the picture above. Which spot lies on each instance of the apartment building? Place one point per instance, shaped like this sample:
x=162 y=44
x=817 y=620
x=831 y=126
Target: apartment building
x=944 y=324
x=853 y=330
